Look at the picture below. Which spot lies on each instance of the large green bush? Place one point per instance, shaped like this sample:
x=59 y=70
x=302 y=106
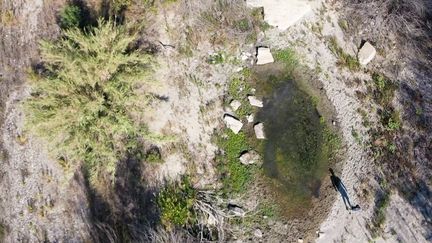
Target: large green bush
x=86 y=102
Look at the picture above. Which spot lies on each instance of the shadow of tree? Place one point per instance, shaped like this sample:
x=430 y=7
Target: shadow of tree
x=125 y=211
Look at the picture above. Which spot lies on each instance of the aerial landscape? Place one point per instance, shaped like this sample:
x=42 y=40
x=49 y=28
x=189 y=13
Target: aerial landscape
x=215 y=121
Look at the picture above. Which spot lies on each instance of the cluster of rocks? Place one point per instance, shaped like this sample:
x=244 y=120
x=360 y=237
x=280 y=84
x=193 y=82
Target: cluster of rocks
x=235 y=124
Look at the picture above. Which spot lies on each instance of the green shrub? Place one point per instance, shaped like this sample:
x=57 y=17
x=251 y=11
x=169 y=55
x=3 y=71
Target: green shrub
x=86 y=103
x=70 y=17
x=176 y=202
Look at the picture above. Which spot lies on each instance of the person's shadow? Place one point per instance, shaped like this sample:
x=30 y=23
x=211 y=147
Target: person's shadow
x=340 y=187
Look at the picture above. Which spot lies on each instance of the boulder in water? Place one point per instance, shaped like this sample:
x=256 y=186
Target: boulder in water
x=259 y=130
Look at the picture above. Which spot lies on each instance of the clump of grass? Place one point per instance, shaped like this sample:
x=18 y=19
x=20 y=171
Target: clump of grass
x=7 y=18
x=286 y=56
x=86 y=102
x=176 y=202
x=344 y=59
x=235 y=176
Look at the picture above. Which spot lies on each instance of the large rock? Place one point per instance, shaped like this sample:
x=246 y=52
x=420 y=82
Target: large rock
x=235 y=104
x=233 y=123
x=282 y=13
x=254 y=101
x=250 y=158
x=366 y=53
x=259 y=130
x=264 y=56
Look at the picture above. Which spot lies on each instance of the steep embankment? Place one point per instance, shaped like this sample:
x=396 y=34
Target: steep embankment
x=33 y=203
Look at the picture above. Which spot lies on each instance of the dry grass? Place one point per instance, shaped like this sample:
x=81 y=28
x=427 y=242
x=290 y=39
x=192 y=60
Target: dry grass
x=401 y=24
x=220 y=21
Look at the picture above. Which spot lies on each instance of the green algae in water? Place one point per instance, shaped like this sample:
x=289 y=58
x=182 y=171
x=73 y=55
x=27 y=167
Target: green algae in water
x=297 y=150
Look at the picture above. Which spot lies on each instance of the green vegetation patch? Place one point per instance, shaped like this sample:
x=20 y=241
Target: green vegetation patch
x=239 y=89
x=384 y=89
x=235 y=176
x=70 y=17
x=86 y=102
x=176 y=202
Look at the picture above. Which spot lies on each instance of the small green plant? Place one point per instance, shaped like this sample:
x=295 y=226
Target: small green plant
x=176 y=202
x=86 y=103
x=217 y=58
x=385 y=89
x=153 y=156
x=235 y=175
x=343 y=24
x=243 y=25
x=344 y=59
x=70 y=17
x=392 y=148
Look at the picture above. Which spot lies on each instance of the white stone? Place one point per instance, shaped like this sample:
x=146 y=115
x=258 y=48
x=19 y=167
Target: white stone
x=259 y=130
x=235 y=104
x=282 y=13
x=366 y=53
x=250 y=158
x=254 y=101
x=250 y=118
x=264 y=56
x=233 y=123
x=258 y=233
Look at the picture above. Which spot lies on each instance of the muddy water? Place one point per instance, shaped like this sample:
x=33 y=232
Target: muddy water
x=296 y=152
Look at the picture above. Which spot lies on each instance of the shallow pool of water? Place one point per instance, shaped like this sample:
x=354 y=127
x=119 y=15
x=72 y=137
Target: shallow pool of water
x=296 y=155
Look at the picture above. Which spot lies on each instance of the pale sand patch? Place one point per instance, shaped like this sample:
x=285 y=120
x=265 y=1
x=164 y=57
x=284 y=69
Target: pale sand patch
x=282 y=13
